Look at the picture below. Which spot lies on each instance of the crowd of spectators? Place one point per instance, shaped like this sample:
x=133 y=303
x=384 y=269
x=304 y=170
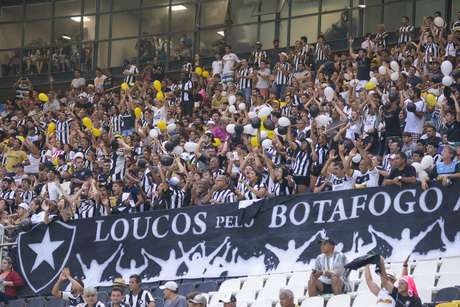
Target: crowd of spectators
x=277 y=123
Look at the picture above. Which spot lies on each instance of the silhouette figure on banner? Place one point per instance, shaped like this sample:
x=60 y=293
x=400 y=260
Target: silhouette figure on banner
x=405 y=245
x=132 y=269
x=94 y=270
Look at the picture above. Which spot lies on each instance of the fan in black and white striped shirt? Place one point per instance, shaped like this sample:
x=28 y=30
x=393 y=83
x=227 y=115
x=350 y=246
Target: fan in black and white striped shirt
x=63 y=129
x=431 y=50
x=138 y=297
x=405 y=31
x=322 y=51
x=222 y=193
x=116 y=121
x=258 y=55
x=381 y=38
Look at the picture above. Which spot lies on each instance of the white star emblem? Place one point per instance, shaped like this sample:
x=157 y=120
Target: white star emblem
x=44 y=250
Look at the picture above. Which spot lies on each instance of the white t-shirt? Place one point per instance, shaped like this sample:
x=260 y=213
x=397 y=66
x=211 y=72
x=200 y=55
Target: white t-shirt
x=229 y=61
x=99 y=82
x=414 y=124
x=261 y=82
x=344 y=183
x=368 y=179
x=216 y=67
x=78 y=82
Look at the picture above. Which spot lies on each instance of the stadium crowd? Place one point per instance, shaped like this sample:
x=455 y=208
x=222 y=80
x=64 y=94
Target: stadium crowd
x=277 y=123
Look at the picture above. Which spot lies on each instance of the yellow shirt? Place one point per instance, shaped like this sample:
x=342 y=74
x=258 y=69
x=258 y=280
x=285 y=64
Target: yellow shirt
x=14 y=157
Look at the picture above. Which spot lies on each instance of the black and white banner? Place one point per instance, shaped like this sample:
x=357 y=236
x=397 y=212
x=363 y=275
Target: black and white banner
x=273 y=235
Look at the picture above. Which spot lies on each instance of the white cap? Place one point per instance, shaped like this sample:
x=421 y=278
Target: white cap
x=228 y=298
x=200 y=299
x=170 y=285
x=24 y=206
x=78 y=155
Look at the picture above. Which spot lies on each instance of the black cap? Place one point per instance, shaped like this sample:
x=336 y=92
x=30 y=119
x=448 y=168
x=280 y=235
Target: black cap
x=326 y=240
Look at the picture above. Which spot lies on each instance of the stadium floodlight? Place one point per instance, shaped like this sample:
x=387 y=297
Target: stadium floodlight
x=78 y=19
x=362 y=6
x=221 y=33
x=66 y=37
x=176 y=8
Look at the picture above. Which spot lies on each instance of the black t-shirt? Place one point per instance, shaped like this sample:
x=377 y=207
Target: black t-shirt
x=364 y=67
x=407 y=171
x=392 y=123
x=405 y=301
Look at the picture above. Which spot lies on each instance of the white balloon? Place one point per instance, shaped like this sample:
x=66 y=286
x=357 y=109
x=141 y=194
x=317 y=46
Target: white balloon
x=264 y=112
x=263 y=134
x=284 y=121
x=441 y=99
x=329 y=93
x=242 y=106
x=248 y=129
x=382 y=70
x=323 y=120
x=231 y=99
x=374 y=80
x=394 y=65
x=190 y=146
x=153 y=133
x=446 y=68
x=232 y=109
x=252 y=114
x=447 y=80
x=427 y=163
x=394 y=76
x=267 y=143
x=178 y=150
x=438 y=21
x=230 y=128
x=354 y=82
x=171 y=127
x=371 y=74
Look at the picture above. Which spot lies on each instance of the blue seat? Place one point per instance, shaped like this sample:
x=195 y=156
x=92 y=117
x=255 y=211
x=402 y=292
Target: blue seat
x=52 y=301
x=186 y=288
x=157 y=292
x=36 y=302
x=207 y=286
x=447 y=295
x=17 y=303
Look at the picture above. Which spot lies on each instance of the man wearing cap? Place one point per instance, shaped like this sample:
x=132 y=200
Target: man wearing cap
x=200 y=300
x=229 y=300
x=327 y=276
x=172 y=298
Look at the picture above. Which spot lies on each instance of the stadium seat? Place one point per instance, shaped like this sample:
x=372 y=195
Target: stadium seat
x=364 y=300
x=425 y=268
x=246 y=295
x=272 y=287
x=298 y=283
x=207 y=286
x=342 y=300
x=241 y=304
x=215 y=297
x=230 y=286
x=262 y=303
x=157 y=292
x=313 y=301
x=36 y=302
x=447 y=294
x=448 y=280
x=449 y=265
x=102 y=297
x=186 y=288
x=425 y=284
x=17 y=303
x=54 y=302
x=253 y=283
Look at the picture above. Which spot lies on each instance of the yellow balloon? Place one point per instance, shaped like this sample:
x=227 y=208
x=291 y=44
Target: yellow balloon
x=369 y=86
x=199 y=71
x=157 y=85
x=161 y=125
x=43 y=97
x=96 y=132
x=51 y=128
x=430 y=100
x=216 y=142
x=254 y=141
x=205 y=74
x=124 y=86
x=87 y=122
x=271 y=134
x=21 y=138
x=138 y=112
x=160 y=95
x=283 y=104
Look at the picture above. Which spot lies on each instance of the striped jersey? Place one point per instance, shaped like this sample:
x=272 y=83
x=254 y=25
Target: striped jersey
x=139 y=300
x=244 y=82
x=258 y=57
x=281 y=78
x=301 y=165
x=63 y=131
x=405 y=34
x=321 y=52
x=224 y=196
x=431 y=51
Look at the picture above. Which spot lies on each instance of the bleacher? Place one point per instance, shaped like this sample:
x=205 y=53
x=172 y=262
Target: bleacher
x=262 y=290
